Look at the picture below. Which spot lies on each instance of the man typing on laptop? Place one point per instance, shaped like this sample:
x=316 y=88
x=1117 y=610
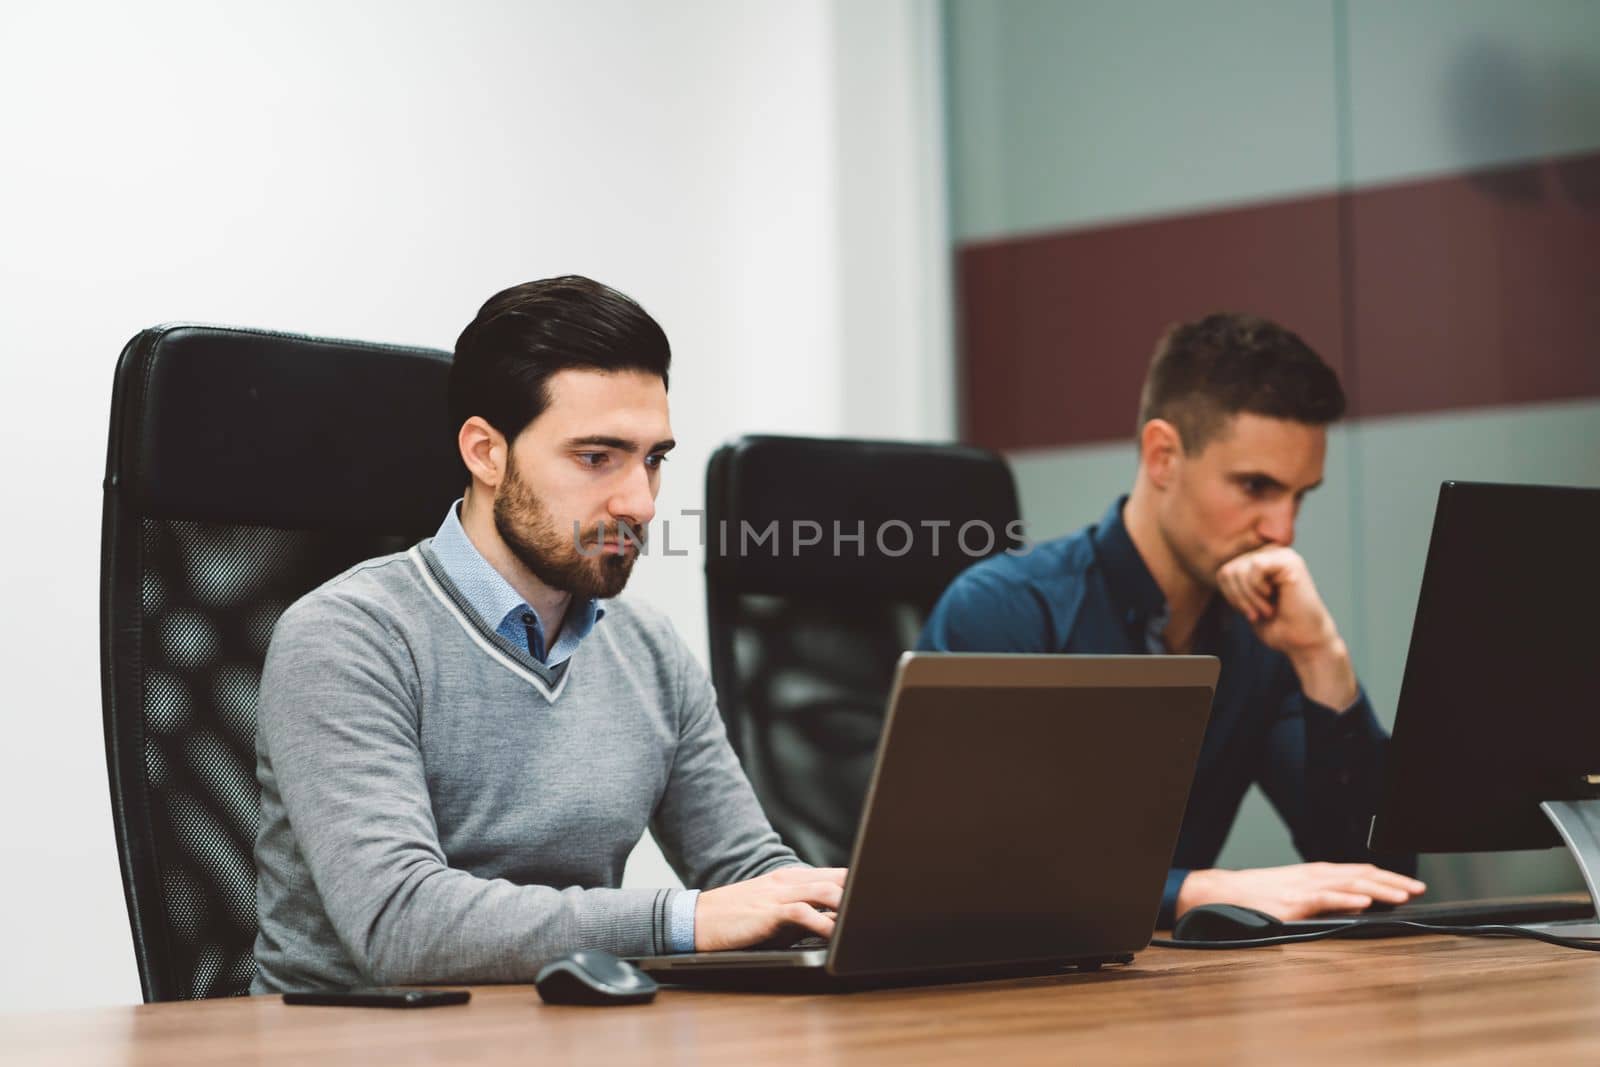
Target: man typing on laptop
x=1198 y=558
x=458 y=745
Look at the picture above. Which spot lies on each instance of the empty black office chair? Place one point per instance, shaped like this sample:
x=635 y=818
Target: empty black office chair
x=244 y=469
x=807 y=620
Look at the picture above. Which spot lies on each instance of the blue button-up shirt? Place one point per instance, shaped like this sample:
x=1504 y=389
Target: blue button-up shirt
x=499 y=606
x=502 y=609
x=1090 y=592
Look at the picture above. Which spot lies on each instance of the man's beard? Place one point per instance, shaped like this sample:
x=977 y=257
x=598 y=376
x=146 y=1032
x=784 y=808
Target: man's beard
x=552 y=554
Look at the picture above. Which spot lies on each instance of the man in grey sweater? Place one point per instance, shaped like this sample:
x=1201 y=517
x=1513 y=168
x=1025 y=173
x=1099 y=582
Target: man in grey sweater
x=459 y=745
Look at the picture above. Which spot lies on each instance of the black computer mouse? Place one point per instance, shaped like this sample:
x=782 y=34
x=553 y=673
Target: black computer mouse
x=1226 y=922
x=593 y=976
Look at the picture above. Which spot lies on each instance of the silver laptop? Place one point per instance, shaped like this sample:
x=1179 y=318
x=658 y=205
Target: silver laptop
x=1021 y=818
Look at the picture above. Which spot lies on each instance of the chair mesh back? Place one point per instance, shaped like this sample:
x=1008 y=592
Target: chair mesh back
x=210 y=595
x=240 y=476
x=812 y=676
x=806 y=632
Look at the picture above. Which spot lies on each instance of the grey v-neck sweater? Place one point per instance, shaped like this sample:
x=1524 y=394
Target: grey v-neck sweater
x=438 y=806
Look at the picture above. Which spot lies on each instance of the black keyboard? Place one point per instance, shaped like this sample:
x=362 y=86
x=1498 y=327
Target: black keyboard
x=1487 y=912
x=1465 y=913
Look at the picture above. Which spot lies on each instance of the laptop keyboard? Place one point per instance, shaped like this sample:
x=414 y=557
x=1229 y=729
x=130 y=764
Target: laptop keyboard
x=805 y=944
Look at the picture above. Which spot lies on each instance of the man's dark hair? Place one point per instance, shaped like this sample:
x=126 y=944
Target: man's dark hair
x=523 y=335
x=1206 y=371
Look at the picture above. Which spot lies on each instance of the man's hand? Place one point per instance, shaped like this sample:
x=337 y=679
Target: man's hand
x=1299 y=891
x=1272 y=588
x=748 y=913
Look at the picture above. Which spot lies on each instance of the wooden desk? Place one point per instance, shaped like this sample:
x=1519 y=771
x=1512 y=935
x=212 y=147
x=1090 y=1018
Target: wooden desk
x=1408 y=1000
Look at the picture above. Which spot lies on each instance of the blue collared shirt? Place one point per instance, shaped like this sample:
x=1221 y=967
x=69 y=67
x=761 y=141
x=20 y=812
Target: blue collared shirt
x=501 y=608
x=1090 y=592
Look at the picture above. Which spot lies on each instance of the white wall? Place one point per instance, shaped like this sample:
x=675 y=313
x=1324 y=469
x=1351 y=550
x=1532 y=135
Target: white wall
x=762 y=177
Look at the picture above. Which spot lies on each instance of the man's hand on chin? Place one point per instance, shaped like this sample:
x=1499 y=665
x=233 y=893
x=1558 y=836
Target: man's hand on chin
x=1299 y=891
x=1272 y=588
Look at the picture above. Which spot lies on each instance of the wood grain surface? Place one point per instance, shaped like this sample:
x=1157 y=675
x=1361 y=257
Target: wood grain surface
x=1410 y=1000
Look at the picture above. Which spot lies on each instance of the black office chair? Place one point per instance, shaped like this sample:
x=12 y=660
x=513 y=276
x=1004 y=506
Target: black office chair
x=244 y=469
x=804 y=637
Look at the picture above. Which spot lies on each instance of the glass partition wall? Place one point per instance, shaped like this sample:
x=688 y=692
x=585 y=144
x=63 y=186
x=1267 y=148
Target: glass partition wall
x=1413 y=187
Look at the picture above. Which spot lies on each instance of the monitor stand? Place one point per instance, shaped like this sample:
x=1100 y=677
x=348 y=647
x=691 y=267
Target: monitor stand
x=1578 y=823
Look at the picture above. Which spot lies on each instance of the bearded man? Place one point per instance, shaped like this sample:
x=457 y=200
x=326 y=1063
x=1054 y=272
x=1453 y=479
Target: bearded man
x=458 y=745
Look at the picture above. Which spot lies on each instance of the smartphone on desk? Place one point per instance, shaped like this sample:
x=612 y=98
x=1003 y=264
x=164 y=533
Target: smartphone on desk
x=381 y=997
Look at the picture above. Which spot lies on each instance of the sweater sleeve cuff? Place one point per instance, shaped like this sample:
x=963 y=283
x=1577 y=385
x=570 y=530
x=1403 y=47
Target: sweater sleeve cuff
x=680 y=921
x=1169 y=898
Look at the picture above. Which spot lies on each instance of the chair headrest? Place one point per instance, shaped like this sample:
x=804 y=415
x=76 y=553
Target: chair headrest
x=887 y=518
x=259 y=428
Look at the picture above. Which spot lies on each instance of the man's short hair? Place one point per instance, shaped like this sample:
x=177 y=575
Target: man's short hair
x=523 y=335
x=1206 y=371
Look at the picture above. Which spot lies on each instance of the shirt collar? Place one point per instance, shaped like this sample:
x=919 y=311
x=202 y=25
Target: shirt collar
x=1134 y=592
x=1136 y=596
x=491 y=597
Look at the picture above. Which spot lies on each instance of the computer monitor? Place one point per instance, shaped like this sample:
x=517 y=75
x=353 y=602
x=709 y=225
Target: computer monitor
x=1496 y=740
